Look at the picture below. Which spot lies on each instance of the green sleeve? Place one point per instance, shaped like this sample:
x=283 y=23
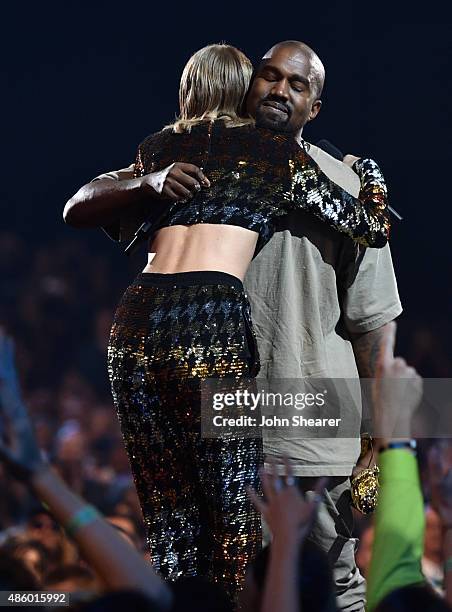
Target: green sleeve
x=399 y=527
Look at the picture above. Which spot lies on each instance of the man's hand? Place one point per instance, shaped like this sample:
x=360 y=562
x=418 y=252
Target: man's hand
x=397 y=391
x=349 y=160
x=180 y=181
x=288 y=514
x=106 y=200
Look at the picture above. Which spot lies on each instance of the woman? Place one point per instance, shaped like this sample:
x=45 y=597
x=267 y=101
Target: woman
x=186 y=317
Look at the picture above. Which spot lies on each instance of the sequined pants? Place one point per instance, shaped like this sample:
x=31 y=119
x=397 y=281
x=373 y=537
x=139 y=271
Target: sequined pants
x=171 y=331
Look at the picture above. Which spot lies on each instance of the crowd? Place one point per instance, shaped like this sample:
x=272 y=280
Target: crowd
x=57 y=302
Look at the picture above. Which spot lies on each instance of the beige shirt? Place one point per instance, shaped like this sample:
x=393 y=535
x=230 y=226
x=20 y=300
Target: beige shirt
x=309 y=288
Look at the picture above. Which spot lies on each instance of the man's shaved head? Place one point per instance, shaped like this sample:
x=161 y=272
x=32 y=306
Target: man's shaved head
x=285 y=91
x=317 y=73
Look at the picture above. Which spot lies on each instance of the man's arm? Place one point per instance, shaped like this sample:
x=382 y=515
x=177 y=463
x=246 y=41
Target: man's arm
x=102 y=202
x=366 y=348
x=371 y=302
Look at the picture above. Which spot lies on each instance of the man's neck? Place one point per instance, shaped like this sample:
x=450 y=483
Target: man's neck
x=299 y=136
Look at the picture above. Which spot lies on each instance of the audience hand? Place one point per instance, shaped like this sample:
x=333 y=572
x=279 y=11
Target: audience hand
x=397 y=391
x=284 y=508
x=18 y=447
x=440 y=478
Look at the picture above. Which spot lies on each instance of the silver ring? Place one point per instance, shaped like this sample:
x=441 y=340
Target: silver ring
x=318 y=497
x=278 y=484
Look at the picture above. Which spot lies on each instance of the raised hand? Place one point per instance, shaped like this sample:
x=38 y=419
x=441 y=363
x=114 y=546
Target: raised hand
x=397 y=391
x=9 y=381
x=284 y=508
x=18 y=447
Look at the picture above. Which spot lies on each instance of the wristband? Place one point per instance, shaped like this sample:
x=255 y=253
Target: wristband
x=410 y=445
x=84 y=516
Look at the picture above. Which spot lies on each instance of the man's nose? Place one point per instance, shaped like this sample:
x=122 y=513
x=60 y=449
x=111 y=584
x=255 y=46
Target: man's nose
x=280 y=89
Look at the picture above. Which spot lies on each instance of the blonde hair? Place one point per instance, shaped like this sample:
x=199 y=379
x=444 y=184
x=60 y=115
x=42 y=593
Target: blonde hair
x=213 y=86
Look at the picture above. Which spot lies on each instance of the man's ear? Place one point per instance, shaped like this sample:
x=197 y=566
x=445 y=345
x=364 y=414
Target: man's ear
x=315 y=110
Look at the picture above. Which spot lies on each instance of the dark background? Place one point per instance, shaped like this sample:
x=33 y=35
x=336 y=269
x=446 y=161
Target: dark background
x=85 y=82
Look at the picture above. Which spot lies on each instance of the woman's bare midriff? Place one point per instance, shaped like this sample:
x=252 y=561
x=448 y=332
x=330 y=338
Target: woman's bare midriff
x=180 y=248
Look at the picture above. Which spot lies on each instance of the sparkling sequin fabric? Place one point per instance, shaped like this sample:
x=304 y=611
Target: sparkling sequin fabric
x=258 y=175
x=364 y=490
x=171 y=331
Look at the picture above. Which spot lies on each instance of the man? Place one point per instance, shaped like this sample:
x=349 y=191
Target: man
x=319 y=303
x=321 y=310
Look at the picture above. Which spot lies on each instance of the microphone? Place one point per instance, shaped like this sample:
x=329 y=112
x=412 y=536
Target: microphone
x=326 y=146
x=139 y=237
x=329 y=148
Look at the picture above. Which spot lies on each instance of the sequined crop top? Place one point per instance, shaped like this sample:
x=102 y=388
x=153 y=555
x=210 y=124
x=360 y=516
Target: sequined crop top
x=257 y=175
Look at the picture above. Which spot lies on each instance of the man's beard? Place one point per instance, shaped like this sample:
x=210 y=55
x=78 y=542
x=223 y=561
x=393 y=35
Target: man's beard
x=270 y=121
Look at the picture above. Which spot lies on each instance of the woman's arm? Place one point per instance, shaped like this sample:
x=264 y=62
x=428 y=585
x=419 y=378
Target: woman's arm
x=364 y=219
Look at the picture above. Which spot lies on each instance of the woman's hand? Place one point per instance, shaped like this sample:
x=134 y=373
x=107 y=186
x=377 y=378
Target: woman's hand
x=18 y=447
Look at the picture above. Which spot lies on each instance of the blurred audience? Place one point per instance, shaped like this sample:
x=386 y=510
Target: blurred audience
x=42 y=527
x=395 y=579
x=71 y=579
x=432 y=559
x=103 y=559
x=58 y=302
x=32 y=553
x=364 y=552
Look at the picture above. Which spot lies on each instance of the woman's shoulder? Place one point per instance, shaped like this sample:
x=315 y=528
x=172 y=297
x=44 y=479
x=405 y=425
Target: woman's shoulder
x=158 y=138
x=255 y=143
x=162 y=148
x=259 y=134
x=225 y=145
